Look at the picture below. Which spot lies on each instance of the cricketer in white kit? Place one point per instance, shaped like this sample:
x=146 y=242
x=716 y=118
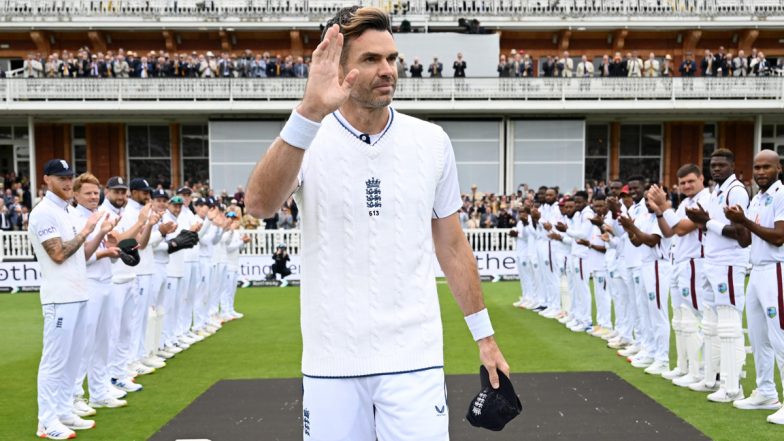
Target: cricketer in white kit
x=59 y=248
x=763 y=228
x=379 y=194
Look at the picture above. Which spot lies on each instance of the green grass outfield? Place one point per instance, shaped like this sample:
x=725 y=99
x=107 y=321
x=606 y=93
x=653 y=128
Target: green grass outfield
x=266 y=344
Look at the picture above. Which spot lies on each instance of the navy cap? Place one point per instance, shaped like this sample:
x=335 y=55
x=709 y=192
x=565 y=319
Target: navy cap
x=210 y=201
x=184 y=190
x=200 y=201
x=159 y=193
x=58 y=167
x=116 y=182
x=140 y=184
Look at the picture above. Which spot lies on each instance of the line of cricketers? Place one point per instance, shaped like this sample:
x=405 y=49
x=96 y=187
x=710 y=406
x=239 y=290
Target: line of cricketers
x=127 y=285
x=641 y=254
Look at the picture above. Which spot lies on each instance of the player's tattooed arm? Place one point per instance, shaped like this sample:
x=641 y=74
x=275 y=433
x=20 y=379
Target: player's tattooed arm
x=59 y=251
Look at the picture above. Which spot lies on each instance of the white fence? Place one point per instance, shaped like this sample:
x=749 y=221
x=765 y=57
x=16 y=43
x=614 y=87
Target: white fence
x=21 y=90
x=16 y=246
x=66 y=9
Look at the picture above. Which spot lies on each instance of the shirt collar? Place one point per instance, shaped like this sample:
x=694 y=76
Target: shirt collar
x=111 y=207
x=81 y=209
x=724 y=185
x=56 y=200
x=774 y=187
x=134 y=204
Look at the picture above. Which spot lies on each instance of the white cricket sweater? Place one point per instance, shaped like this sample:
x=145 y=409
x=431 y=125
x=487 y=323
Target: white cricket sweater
x=368 y=295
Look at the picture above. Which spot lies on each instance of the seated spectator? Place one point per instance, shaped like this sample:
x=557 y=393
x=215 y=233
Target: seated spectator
x=285 y=220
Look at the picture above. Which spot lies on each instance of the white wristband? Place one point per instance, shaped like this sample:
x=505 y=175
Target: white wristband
x=479 y=324
x=671 y=217
x=299 y=131
x=715 y=226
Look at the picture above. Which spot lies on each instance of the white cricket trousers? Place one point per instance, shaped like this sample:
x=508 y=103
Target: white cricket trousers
x=99 y=337
x=581 y=290
x=550 y=276
x=632 y=283
x=170 y=305
x=63 y=348
x=123 y=305
x=526 y=273
x=189 y=297
x=656 y=281
x=395 y=407
x=217 y=280
x=152 y=341
x=601 y=294
x=201 y=310
x=141 y=315
x=620 y=297
x=764 y=305
x=228 y=289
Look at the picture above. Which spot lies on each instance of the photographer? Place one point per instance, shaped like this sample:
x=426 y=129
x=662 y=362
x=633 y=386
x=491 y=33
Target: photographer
x=280 y=257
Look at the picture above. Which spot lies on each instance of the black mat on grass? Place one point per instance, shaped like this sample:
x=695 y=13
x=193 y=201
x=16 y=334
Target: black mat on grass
x=556 y=406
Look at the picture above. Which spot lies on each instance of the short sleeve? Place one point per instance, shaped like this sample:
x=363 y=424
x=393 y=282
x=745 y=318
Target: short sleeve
x=44 y=226
x=737 y=195
x=654 y=229
x=447 y=200
x=778 y=207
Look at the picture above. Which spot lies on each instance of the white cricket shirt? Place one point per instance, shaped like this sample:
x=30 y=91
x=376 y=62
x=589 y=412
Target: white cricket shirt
x=765 y=210
x=690 y=246
x=720 y=250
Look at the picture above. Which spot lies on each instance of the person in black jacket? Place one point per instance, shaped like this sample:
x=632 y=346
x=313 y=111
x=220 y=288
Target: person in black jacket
x=459 y=66
x=416 y=69
x=280 y=266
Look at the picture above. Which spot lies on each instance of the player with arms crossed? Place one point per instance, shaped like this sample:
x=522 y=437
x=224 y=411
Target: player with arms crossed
x=371 y=328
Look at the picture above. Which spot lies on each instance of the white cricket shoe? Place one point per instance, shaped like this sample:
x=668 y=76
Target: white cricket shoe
x=658 y=368
x=109 y=403
x=686 y=380
x=284 y=283
x=618 y=343
x=629 y=351
x=194 y=336
x=722 y=396
x=643 y=361
x=114 y=392
x=172 y=349
x=237 y=315
x=141 y=369
x=704 y=386
x=164 y=354
x=611 y=335
x=203 y=333
x=76 y=423
x=80 y=407
x=518 y=303
x=153 y=362
x=55 y=430
x=185 y=340
x=673 y=374
x=580 y=327
x=777 y=418
x=126 y=384
x=757 y=401
x=181 y=344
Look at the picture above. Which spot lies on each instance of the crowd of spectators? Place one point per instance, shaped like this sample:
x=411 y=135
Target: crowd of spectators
x=162 y=64
x=721 y=63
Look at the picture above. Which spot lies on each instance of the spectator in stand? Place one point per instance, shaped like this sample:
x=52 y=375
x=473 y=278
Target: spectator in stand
x=464 y=216
x=515 y=64
x=584 y=68
x=287 y=68
x=121 y=68
x=651 y=68
x=286 y=220
x=688 y=66
x=527 y=68
x=761 y=67
x=249 y=222
x=565 y=66
x=225 y=66
x=239 y=196
x=489 y=220
x=504 y=219
x=258 y=68
x=548 y=68
x=416 y=69
x=604 y=68
x=402 y=67
x=504 y=69
x=726 y=67
x=667 y=68
x=718 y=59
x=272 y=65
x=706 y=65
x=300 y=68
x=618 y=67
x=32 y=66
x=634 y=66
x=5 y=218
x=740 y=65
x=271 y=223
x=436 y=68
x=459 y=66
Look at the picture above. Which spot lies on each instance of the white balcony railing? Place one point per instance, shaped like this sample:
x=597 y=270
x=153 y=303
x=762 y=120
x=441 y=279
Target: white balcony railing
x=65 y=9
x=15 y=245
x=27 y=91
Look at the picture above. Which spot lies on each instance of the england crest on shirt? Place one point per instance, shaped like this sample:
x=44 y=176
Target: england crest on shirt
x=772 y=312
x=722 y=288
x=373 y=193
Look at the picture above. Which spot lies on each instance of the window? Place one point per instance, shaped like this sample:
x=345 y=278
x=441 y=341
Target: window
x=195 y=149
x=149 y=154
x=641 y=150
x=79 y=147
x=708 y=147
x=597 y=151
x=773 y=139
x=14 y=151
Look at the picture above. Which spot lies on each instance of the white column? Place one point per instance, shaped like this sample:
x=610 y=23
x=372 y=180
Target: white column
x=33 y=162
x=757 y=134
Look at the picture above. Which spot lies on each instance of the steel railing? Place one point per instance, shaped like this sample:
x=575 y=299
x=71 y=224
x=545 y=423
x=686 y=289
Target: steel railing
x=16 y=246
x=320 y=8
x=13 y=90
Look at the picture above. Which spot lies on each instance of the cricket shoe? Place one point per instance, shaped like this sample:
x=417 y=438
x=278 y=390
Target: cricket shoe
x=153 y=362
x=704 y=386
x=539 y=308
x=617 y=343
x=569 y=322
x=610 y=335
x=141 y=369
x=550 y=313
x=777 y=418
x=108 y=403
x=164 y=354
x=643 y=361
x=56 y=430
x=126 y=384
x=284 y=283
x=194 y=336
x=658 y=368
x=237 y=315
x=76 y=423
x=80 y=407
x=673 y=374
x=686 y=380
x=181 y=344
x=172 y=348
x=757 y=401
x=116 y=393
x=518 y=303
x=629 y=351
x=184 y=339
x=226 y=318
x=203 y=333
x=599 y=331
x=580 y=327
x=722 y=396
